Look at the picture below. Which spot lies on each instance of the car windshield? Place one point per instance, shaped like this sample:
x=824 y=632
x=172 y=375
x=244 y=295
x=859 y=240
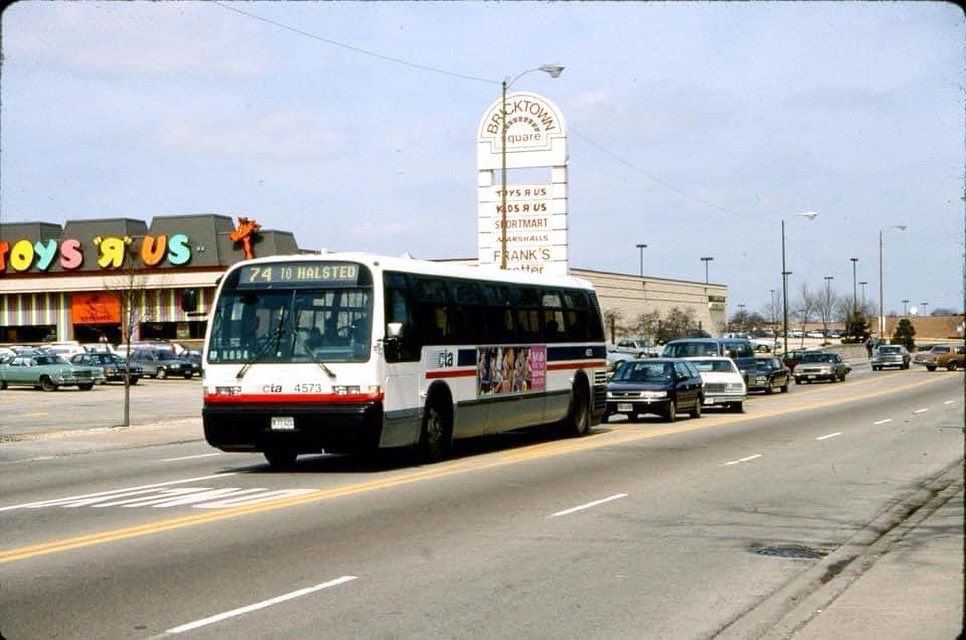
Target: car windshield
x=726 y=366
x=767 y=364
x=645 y=372
x=888 y=349
x=818 y=357
x=688 y=349
x=49 y=359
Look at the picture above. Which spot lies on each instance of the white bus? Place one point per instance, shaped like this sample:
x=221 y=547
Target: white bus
x=351 y=352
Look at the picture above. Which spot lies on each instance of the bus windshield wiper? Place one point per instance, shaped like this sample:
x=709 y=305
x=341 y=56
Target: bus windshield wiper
x=272 y=344
x=329 y=372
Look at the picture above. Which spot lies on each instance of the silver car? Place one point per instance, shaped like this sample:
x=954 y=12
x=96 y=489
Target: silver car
x=890 y=355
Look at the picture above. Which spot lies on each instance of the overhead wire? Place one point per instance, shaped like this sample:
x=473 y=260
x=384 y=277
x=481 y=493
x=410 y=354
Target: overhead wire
x=599 y=147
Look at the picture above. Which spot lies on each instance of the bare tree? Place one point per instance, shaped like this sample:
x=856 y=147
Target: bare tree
x=805 y=308
x=647 y=324
x=825 y=304
x=612 y=320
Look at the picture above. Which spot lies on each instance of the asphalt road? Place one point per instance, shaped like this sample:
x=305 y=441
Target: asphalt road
x=704 y=528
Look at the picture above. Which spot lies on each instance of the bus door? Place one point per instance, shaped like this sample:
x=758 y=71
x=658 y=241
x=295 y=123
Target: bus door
x=402 y=404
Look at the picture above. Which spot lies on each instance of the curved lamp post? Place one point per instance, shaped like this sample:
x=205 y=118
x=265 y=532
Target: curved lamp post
x=554 y=70
x=899 y=227
x=785 y=273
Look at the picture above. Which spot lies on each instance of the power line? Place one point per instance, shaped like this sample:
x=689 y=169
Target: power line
x=352 y=48
x=413 y=65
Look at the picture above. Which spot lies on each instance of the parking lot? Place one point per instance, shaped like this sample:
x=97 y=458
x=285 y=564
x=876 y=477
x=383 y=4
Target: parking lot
x=27 y=411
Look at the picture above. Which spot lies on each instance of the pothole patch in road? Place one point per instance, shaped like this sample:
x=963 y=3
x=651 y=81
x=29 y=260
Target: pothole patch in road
x=788 y=551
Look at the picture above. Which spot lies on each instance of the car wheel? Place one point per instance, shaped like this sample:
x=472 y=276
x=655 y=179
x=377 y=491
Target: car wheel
x=280 y=458
x=134 y=380
x=798 y=381
x=3 y=385
x=770 y=389
x=671 y=413
x=187 y=376
x=161 y=373
x=604 y=418
x=784 y=388
x=737 y=407
x=47 y=384
x=952 y=366
x=86 y=387
x=930 y=367
x=696 y=412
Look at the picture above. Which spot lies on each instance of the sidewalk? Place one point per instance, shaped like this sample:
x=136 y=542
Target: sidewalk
x=914 y=589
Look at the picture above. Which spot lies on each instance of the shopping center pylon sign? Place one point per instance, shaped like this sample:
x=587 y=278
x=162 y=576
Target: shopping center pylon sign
x=536 y=211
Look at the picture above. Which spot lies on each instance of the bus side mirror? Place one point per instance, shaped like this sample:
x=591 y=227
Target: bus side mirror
x=189 y=300
x=393 y=334
x=394 y=330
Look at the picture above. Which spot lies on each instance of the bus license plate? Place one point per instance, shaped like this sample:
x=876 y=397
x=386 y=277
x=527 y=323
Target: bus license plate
x=625 y=407
x=283 y=423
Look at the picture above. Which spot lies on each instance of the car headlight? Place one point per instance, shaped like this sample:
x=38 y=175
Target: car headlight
x=654 y=395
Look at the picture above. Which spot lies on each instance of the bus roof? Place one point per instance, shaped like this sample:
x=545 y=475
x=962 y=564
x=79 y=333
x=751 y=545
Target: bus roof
x=427 y=267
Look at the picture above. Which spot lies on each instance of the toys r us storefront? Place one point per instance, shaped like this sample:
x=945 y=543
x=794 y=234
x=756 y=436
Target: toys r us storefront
x=92 y=279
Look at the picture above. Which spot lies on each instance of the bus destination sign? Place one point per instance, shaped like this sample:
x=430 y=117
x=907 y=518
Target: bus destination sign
x=289 y=274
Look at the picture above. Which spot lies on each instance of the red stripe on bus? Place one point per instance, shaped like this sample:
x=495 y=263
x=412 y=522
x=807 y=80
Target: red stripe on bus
x=583 y=364
x=450 y=373
x=292 y=398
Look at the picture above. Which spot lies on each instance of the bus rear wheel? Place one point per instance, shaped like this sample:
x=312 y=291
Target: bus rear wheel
x=577 y=422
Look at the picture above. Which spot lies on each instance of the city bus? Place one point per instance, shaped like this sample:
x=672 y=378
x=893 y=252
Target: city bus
x=354 y=352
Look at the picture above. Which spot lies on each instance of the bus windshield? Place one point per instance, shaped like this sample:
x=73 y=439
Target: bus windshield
x=292 y=325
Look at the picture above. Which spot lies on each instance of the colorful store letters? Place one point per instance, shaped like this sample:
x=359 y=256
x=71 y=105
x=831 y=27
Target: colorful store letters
x=111 y=251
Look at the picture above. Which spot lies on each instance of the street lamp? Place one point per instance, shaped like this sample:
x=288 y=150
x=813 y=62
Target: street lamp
x=554 y=70
x=900 y=227
x=905 y=308
x=862 y=284
x=924 y=305
x=827 y=314
x=641 y=248
x=854 y=296
x=706 y=260
x=785 y=273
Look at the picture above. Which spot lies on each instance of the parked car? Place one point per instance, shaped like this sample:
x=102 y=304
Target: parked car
x=662 y=386
x=617 y=358
x=930 y=358
x=114 y=366
x=194 y=357
x=890 y=355
x=160 y=363
x=48 y=372
x=738 y=349
x=724 y=386
x=636 y=347
x=821 y=365
x=772 y=374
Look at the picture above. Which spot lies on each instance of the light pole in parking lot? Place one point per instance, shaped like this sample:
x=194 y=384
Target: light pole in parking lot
x=899 y=227
x=706 y=260
x=785 y=273
x=855 y=302
x=862 y=284
x=554 y=70
x=905 y=308
x=641 y=247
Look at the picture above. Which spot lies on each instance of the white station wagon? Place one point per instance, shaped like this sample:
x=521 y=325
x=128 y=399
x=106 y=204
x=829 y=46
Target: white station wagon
x=724 y=386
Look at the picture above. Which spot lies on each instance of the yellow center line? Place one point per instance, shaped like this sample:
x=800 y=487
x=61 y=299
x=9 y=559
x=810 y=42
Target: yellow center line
x=531 y=452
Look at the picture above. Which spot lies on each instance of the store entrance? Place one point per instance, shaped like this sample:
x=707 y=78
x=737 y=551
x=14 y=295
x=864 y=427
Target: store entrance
x=95 y=332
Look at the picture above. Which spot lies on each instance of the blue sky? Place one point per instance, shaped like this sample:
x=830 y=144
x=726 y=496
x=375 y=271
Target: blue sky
x=694 y=128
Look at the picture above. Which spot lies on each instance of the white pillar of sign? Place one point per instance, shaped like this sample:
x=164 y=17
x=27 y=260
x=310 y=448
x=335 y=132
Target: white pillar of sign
x=536 y=212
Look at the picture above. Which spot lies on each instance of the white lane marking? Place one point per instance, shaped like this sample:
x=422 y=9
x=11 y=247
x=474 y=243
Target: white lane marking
x=950 y=402
x=203 y=455
x=829 y=435
x=259 y=605
x=920 y=411
x=883 y=421
x=757 y=455
x=96 y=497
x=616 y=496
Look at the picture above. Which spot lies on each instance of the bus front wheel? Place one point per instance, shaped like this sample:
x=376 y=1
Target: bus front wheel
x=436 y=438
x=280 y=458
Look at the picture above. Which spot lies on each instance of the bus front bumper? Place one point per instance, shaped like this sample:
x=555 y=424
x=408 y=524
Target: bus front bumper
x=336 y=428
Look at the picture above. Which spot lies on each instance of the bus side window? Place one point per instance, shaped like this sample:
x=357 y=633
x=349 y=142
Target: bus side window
x=398 y=310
